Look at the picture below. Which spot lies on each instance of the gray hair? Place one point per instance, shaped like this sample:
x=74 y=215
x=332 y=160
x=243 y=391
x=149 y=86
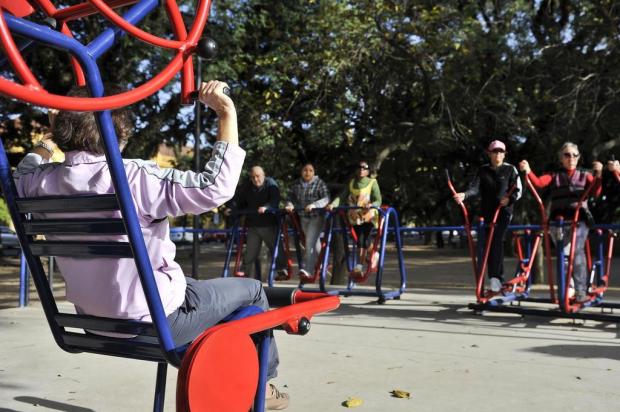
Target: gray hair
x=567 y=145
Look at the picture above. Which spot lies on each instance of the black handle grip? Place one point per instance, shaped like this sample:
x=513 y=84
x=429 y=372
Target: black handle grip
x=194 y=95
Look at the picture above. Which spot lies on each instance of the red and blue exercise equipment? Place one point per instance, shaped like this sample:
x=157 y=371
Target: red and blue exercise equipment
x=206 y=361
x=599 y=268
x=562 y=302
x=526 y=246
x=375 y=256
x=236 y=242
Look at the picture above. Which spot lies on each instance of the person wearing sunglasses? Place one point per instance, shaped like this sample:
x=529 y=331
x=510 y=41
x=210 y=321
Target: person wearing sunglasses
x=492 y=183
x=362 y=192
x=566 y=188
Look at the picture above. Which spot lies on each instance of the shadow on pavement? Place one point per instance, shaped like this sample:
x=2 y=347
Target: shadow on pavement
x=46 y=403
x=579 y=351
x=499 y=324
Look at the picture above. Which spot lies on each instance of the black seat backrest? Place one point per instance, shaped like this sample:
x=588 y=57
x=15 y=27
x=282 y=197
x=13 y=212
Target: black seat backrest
x=64 y=226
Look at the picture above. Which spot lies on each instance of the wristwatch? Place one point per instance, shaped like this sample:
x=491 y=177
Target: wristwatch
x=46 y=146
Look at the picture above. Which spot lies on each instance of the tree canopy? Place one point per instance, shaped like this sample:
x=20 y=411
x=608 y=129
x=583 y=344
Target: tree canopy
x=414 y=87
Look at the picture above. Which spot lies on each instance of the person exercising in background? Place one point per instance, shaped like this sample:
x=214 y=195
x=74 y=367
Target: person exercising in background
x=307 y=193
x=567 y=186
x=492 y=183
x=363 y=194
x=259 y=195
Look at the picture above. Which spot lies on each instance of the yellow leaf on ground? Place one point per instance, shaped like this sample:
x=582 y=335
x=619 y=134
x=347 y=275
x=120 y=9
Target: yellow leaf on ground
x=397 y=393
x=352 y=403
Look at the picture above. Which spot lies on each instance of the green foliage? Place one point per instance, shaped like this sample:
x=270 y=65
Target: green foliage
x=413 y=86
x=5 y=217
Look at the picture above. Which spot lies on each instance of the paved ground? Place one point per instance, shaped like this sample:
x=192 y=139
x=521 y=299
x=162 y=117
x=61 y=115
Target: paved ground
x=427 y=343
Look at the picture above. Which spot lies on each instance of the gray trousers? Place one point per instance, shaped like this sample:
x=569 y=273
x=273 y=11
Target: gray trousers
x=580 y=271
x=312 y=227
x=209 y=301
x=254 y=238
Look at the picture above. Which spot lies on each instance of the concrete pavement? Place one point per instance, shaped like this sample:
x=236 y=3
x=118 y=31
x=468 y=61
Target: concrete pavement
x=427 y=343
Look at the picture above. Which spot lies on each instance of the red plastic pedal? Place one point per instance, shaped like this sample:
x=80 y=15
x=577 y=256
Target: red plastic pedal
x=219 y=373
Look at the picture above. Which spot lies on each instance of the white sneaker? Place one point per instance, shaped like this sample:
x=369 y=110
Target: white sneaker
x=304 y=276
x=375 y=260
x=496 y=285
x=571 y=289
x=357 y=272
x=581 y=296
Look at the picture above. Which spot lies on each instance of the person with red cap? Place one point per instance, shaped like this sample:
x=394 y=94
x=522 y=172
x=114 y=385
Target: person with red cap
x=492 y=183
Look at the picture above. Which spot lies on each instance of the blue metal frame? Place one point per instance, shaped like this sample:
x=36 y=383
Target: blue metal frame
x=87 y=57
x=390 y=225
x=235 y=237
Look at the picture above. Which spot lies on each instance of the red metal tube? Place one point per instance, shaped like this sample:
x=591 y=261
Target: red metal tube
x=46 y=6
x=15 y=58
x=545 y=226
x=180 y=31
x=571 y=256
x=487 y=249
x=89 y=104
x=467 y=226
x=86 y=9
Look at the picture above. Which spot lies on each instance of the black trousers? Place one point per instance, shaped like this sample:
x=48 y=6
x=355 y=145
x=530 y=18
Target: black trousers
x=495 y=265
x=363 y=234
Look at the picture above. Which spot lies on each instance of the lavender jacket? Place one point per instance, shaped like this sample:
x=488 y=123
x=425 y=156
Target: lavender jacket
x=111 y=287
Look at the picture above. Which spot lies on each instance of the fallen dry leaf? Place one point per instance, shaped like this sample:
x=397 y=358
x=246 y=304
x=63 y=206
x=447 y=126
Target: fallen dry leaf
x=352 y=403
x=397 y=393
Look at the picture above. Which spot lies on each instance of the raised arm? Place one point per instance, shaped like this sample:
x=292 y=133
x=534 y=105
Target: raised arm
x=212 y=95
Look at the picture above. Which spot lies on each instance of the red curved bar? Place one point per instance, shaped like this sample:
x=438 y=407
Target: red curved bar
x=111 y=15
x=180 y=31
x=276 y=317
x=18 y=8
x=237 y=269
x=85 y=9
x=487 y=249
x=545 y=227
x=88 y=104
x=610 y=252
x=15 y=56
x=181 y=60
x=571 y=257
x=467 y=226
x=199 y=22
x=371 y=251
x=294 y=218
x=46 y=6
x=287 y=250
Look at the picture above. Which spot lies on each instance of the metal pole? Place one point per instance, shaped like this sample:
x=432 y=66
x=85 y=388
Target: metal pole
x=197 y=113
x=23 y=281
x=50 y=271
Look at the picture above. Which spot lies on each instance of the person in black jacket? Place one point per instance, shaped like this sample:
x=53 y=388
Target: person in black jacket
x=258 y=195
x=493 y=182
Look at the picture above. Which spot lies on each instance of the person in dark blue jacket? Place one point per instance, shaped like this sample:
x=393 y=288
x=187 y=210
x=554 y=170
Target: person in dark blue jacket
x=259 y=195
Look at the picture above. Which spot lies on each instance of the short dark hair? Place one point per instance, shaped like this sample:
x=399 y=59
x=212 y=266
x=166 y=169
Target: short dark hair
x=79 y=131
x=357 y=165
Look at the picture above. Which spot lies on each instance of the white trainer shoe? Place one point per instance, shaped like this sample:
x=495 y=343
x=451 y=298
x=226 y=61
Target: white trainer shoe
x=496 y=285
